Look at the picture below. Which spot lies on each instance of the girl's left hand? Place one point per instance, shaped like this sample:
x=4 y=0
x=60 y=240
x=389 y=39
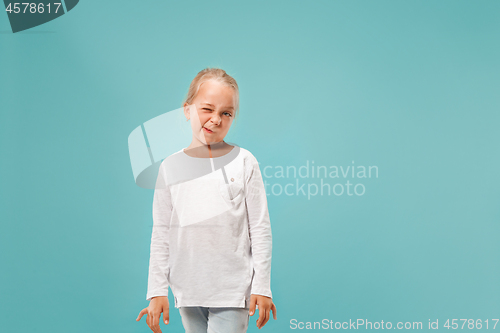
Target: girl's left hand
x=265 y=306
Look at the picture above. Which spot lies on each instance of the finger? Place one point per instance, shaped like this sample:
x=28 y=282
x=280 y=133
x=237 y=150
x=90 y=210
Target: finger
x=262 y=316
x=253 y=302
x=266 y=319
x=156 y=323
x=274 y=311
x=143 y=311
x=149 y=320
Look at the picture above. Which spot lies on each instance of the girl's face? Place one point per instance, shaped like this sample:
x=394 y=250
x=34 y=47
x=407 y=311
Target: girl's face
x=211 y=112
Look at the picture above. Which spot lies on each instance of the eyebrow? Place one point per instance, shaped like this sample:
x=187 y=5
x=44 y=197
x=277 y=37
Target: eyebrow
x=231 y=108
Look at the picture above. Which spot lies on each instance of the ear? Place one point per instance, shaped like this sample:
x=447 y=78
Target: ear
x=186 y=111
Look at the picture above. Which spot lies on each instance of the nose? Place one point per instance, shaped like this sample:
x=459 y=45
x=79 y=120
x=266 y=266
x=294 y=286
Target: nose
x=216 y=119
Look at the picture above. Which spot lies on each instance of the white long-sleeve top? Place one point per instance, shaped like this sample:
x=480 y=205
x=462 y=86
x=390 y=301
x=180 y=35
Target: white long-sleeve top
x=211 y=241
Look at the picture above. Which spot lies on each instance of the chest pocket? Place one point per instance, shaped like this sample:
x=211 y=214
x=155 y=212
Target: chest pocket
x=233 y=192
x=198 y=200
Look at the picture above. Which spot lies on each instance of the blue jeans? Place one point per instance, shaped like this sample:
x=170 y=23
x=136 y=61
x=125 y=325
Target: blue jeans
x=198 y=319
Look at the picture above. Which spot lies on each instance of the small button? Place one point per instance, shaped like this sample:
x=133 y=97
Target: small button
x=232 y=179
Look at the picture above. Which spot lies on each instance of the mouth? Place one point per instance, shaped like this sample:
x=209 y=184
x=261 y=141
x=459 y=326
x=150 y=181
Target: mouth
x=207 y=130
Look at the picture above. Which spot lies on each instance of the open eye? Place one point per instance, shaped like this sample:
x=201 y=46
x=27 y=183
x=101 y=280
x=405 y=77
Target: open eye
x=228 y=114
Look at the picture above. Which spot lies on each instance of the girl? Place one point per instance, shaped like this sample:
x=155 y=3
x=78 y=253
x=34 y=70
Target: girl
x=211 y=240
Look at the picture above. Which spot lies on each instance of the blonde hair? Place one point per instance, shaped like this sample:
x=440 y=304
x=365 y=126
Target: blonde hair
x=218 y=75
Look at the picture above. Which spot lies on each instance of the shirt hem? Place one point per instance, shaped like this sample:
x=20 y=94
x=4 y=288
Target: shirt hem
x=241 y=302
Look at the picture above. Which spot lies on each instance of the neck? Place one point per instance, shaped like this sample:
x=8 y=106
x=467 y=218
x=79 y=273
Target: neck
x=200 y=149
x=214 y=145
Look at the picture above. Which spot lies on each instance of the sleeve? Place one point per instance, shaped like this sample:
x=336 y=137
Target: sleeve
x=259 y=229
x=159 y=254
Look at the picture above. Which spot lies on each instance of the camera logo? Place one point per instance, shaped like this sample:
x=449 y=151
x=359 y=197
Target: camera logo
x=26 y=15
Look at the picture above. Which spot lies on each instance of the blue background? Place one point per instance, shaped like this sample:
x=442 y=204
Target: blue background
x=409 y=86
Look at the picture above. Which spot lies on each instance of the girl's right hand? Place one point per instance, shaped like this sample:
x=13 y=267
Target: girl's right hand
x=157 y=305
